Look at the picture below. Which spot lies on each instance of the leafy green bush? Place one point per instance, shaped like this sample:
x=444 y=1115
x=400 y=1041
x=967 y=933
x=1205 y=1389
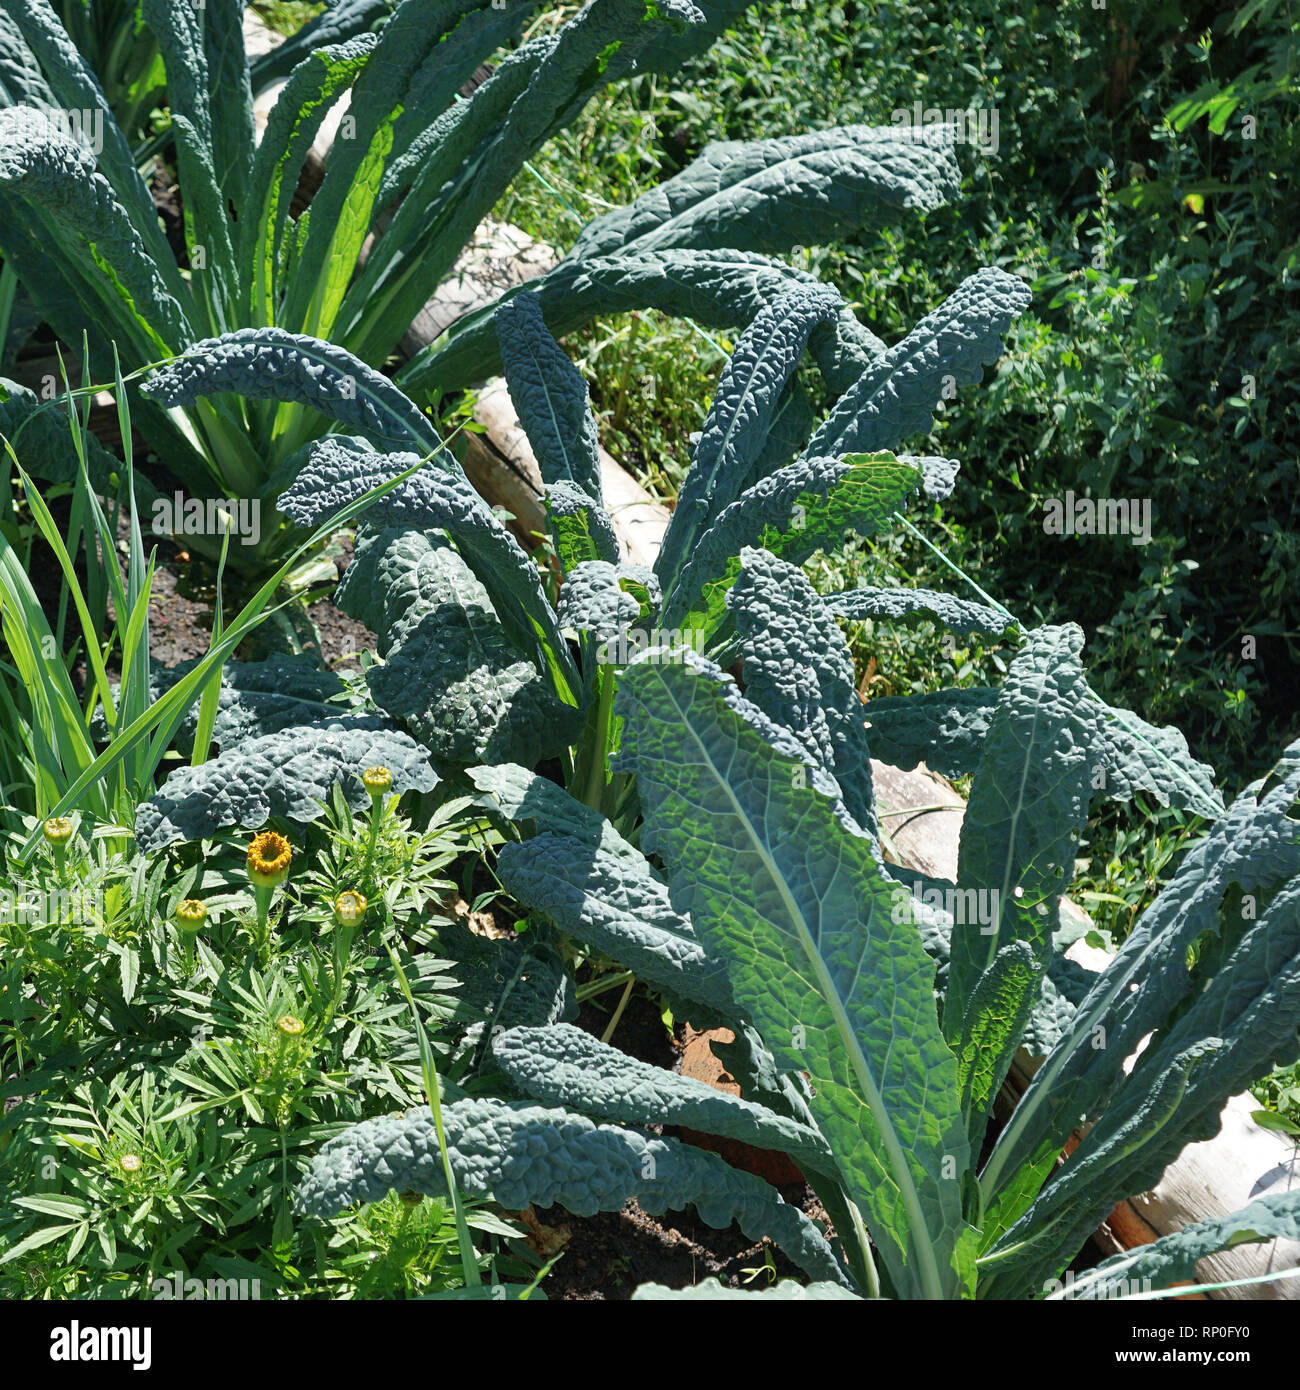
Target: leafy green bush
x=477 y=661
x=876 y=1013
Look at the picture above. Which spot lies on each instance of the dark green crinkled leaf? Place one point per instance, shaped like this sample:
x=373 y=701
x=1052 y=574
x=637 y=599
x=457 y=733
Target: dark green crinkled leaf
x=21 y=80
x=1253 y=850
x=442 y=147
x=799 y=672
x=343 y=209
x=809 y=505
x=450 y=672
x=207 y=122
x=897 y=394
x=761 y=195
x=257 y=697
x=76 y=88
x=1154 y=758
x=667 y=53
x=506 y=984
x=1240 y=1028
x=718 y=288
x=550 y=396
x=946 y=729
x=603 y=599
x=57 y=178
x=478 y=148
x=792 y=424
x=41 y=436
x=342 y=21
x=566 y=1067
x=533 y=803
x=519 y=1154
x=1172 y=1259
x=1027 y=808
x=989 y=1031
x=287 y=775
x=270 y=364
x=230 y=99
x=796 y=190
x=1061 y=991
x=725 y=459
x=337 y=471
x=600 y=896
x=291 y=128
x=960 y=615
x=580 y=527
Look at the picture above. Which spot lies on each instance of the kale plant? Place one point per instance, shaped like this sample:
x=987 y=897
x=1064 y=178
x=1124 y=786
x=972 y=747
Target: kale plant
x=478 y=663
x=874 y=1024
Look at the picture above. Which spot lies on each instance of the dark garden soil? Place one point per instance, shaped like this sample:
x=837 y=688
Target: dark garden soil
x=607 y=1256
x=180 y=614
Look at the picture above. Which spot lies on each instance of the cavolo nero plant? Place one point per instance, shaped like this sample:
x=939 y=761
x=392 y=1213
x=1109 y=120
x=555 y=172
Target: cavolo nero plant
x=121 y=49
x=875 y=1026
x=413 y=173
x=476 y=660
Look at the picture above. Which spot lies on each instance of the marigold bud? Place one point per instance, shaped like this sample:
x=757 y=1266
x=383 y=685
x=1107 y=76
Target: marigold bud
x=377 y=780
x=349 y=908
x=58 y=830
x=268 y=858
x=191 y=913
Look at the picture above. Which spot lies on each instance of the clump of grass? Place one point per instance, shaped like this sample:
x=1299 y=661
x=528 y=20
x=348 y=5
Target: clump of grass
x=285 y=16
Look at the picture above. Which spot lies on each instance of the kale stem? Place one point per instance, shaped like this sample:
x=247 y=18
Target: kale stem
x=594 y=792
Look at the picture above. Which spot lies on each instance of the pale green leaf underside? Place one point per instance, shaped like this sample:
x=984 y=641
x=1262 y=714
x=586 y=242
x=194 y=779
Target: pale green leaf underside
x=802 y=913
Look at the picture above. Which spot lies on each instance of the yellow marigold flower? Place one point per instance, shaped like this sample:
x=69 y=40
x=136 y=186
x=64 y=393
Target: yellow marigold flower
x=129 y=1163
x=191 y=914
x=377 y=780
x=58 y=830
x=290 y=1024
x=349 y=908
x=268 y=858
